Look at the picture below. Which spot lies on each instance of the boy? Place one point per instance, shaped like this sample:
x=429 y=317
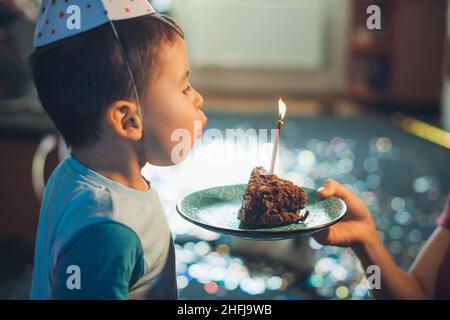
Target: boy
x=113 y=77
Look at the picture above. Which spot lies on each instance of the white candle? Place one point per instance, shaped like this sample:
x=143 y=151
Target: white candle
x=276 y=142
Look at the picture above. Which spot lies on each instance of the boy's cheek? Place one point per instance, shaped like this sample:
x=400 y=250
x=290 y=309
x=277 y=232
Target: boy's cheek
x=171 y=139
x=170 y=147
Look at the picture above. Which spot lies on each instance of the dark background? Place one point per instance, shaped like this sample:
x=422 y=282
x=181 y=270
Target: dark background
x=369 y=131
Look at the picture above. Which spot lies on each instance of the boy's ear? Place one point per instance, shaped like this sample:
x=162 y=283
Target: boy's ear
x=124 y=119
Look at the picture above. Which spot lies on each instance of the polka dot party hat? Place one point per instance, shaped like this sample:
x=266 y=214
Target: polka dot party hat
x=59 y=19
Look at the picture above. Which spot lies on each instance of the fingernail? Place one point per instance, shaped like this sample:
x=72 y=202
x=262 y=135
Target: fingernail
x=320 y=189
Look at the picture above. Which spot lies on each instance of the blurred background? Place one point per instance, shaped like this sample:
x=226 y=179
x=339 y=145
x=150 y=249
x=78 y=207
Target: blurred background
x=369 y=108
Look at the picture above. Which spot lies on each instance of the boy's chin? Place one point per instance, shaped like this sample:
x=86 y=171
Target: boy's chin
x=167 y=161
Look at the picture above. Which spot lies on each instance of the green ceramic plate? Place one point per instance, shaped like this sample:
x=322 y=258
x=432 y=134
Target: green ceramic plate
x=216 y=209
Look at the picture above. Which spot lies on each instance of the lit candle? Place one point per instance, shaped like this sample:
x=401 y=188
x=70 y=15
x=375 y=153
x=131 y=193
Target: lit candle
x=276 y=142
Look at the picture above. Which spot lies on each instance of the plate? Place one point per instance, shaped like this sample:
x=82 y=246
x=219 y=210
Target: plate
x=216 y=209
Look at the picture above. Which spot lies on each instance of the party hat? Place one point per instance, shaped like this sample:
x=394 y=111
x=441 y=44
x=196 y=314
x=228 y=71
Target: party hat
x=60 y=19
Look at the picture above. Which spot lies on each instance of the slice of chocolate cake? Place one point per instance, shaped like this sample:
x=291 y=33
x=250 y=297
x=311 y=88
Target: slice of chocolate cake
x=270 y=201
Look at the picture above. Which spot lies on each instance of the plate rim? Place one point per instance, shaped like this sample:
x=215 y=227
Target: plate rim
x=259 y=231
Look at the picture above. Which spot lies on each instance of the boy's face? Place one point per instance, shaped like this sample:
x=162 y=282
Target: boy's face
x=171 y=108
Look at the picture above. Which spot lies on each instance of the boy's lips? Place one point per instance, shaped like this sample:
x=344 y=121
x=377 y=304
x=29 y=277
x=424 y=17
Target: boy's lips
x=199 y=133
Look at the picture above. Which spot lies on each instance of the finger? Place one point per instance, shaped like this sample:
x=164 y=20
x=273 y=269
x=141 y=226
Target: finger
x=321 y=237
x=328 y=188
x=332 y=188
x=446 y=211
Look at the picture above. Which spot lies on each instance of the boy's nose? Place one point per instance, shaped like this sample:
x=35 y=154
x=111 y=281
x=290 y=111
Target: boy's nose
x=198 y=100
x=199 y=104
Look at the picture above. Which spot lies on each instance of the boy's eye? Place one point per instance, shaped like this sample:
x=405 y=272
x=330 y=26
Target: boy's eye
x=187 y=89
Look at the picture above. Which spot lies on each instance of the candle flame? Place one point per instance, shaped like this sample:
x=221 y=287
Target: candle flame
x=281 y=109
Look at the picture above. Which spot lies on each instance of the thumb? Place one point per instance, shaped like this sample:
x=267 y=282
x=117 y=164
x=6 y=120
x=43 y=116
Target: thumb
x=332 y=188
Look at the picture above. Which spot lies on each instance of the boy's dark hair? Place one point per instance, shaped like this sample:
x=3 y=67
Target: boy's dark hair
x=78 y=77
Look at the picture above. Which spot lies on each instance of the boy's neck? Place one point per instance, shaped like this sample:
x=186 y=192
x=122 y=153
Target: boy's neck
x=118 y=165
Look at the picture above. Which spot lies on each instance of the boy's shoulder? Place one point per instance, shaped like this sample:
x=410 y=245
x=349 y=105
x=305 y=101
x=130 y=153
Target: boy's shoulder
x=71 y=203
x=76 y=197
x=68 y=190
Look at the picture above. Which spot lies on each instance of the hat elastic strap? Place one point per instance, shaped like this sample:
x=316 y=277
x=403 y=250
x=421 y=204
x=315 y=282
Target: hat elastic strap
x=133 y=82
